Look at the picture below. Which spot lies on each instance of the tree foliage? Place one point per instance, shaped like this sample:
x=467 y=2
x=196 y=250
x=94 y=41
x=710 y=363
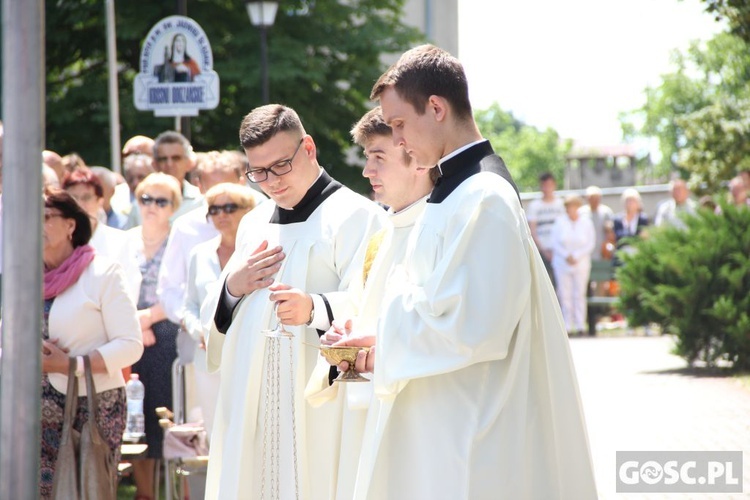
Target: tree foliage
x=324 y=56
x=696 y=284
x=699 y=111
x=736 y=12
x=527 y=151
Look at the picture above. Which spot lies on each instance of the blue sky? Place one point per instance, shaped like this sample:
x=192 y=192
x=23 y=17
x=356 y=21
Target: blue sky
x=573 y=64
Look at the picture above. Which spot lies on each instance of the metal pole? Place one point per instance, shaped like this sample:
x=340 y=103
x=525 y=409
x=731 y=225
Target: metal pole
x=23 y=116
x=114 y=98
x=264 y=64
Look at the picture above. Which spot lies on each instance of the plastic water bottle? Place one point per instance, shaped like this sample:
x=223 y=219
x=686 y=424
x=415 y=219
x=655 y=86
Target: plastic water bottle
x=135 y=427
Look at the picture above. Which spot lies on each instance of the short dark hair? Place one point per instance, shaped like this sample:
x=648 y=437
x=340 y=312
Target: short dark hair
x=545 y=176
x=172 y=137
x=264 y=122
x=83 y=176
x=70 y=209
x=424 y=71
x=372 y=123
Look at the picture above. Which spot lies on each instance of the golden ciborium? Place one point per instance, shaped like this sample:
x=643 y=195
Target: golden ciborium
x=336 y=354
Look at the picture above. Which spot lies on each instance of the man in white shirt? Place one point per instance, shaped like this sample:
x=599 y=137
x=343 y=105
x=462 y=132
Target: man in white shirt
x=541 y=214
x=478 y=396
x=669 y=211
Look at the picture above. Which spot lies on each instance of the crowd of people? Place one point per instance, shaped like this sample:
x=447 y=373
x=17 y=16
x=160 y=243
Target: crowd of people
x=570 y=234
x=126 y=258
x=441 y=280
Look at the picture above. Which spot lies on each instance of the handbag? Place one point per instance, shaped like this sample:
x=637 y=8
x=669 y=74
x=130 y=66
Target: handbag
x=185 y=441
x=85 y=467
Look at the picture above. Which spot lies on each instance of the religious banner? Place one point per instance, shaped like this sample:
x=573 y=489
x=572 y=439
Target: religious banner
x=176 y=77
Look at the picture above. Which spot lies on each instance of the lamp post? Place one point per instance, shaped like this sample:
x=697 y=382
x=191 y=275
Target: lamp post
x=262 y=15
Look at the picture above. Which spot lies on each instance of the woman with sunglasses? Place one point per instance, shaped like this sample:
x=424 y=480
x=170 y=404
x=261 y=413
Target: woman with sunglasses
x=159 y=196
x=227 y=204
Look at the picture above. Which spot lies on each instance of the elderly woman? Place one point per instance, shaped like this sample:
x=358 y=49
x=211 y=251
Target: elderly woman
x=87 y=311
x=572 y=241
x=630 y=223
x=227 y=204
x=158 y=197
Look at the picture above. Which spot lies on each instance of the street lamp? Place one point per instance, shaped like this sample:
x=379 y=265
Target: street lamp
x=262 y=15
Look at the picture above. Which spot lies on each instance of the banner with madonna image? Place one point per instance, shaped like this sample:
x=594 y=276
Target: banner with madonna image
x=177 y=76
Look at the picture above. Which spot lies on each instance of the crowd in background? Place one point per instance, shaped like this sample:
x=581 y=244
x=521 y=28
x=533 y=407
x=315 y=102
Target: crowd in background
x=169 y=222
x=571 y=233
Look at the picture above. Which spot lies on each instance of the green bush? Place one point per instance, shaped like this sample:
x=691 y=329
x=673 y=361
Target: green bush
x=695 y=283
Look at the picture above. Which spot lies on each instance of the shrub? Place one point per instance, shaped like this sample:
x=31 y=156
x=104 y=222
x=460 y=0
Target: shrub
x=695 y=283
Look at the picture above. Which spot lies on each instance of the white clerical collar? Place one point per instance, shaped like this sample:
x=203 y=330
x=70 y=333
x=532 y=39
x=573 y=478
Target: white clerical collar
x=456 y=152
x=408 y=216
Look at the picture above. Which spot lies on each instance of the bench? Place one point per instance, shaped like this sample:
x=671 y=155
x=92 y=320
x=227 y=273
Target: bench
x=601 y=270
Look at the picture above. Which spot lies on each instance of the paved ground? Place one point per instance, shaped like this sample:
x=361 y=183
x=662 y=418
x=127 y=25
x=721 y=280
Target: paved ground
x=638 y=396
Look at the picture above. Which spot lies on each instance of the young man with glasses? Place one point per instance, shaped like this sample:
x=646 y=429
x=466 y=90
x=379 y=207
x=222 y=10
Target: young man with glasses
x=310 y=241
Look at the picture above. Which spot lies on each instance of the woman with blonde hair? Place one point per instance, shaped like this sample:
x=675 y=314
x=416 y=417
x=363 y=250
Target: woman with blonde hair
x=158 y=196
x=227 y=204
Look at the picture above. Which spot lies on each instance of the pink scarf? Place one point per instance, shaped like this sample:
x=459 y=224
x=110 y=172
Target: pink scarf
x=59 y=279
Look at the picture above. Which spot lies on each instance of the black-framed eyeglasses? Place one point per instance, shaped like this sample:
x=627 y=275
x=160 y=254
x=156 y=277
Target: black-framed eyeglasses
x=278 y=169
x=227 y=208
x=147 y=200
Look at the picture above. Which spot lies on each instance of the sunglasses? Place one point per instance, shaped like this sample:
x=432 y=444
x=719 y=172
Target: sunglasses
x=228 y=208
x=147 y=200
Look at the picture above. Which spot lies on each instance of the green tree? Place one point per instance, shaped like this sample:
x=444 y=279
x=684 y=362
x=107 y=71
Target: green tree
x=736 y=12
x=324 y=56
x=697 y=111
x=527 y=151
x=695 y=283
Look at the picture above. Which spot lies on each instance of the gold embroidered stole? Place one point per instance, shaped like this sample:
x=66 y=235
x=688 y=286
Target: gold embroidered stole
x=372 y=251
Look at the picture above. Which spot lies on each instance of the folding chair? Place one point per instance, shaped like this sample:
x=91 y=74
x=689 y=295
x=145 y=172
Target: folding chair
x=181 y=471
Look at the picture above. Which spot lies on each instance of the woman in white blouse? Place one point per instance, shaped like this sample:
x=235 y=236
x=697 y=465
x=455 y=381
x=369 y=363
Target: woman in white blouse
x=573 y=241
x=87 y=312
x=227 y=204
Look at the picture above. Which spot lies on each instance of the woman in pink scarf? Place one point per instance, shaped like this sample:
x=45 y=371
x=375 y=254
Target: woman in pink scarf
x=87 y=311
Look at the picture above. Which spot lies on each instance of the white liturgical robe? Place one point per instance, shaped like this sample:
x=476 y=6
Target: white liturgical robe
x=353 y=399
x=476 y=393
x=322 y=252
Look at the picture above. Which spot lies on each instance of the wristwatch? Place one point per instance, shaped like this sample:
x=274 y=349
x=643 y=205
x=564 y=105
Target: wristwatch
x=312 y=313
x=79 y=366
